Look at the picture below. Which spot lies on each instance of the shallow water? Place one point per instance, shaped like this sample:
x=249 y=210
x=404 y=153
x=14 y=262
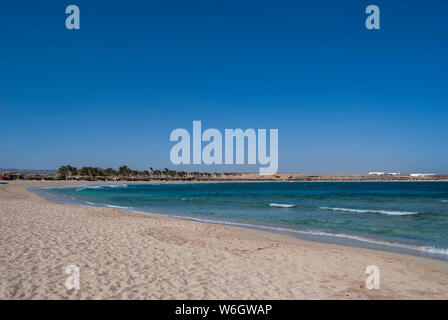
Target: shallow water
x=412 y=216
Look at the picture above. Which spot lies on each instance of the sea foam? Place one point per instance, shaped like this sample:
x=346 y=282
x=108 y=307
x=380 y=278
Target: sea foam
x=280 y=205
x=386 y=212
x=117 y=207
x=424 y=248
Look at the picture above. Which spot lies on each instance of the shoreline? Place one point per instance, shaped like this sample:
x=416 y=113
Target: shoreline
x=279 y=261
x=320 y=236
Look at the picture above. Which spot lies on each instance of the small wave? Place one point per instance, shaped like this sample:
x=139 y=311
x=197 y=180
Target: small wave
x=114 y=186
x=280 y=205
x=103 y=186
x=444 y=200
x=117 y=207
x=62 y=187
x=386 y=212
x=88 y=187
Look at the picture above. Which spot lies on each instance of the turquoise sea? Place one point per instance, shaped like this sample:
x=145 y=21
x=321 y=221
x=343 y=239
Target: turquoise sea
x=409 y=217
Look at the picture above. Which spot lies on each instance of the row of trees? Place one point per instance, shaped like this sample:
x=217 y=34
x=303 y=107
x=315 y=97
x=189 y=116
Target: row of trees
x=125 y=173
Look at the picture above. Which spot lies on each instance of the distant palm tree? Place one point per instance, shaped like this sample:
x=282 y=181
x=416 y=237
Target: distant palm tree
x=157 y=173
x=124 y=171
x=71 y=171
x=110 y=172
x=63 y=172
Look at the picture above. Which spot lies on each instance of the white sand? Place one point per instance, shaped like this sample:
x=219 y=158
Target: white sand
x=132 y=256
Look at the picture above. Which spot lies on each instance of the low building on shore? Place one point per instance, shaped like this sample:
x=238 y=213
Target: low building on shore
x=376 y=173
x=422 y=175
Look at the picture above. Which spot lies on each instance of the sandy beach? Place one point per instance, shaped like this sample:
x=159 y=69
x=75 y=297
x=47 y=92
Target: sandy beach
x=124 y=255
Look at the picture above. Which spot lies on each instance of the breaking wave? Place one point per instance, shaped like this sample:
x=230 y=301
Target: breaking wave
x=280 y=205
x=386 y=212
x=103 y=186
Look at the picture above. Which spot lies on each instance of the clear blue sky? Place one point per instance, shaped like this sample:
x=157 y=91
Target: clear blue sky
x=345 y=99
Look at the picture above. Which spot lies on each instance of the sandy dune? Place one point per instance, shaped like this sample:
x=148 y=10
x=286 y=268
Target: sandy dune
x=130 y=256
